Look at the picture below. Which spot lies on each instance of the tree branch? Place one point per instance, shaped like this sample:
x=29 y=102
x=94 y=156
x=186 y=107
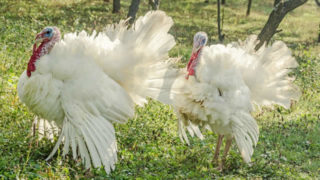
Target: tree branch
x=275 y=18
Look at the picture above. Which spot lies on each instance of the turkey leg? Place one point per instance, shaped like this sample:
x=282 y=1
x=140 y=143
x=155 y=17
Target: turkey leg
x=217 y=151
x=226 y=151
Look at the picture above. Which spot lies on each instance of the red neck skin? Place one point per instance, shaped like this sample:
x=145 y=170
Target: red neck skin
x=192 y=63
x=37 y=53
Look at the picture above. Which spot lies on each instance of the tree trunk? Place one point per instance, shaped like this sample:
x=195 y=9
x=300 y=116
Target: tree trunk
x=276 y=2
x=318 y=3
x=275 y=18
x=319 y=34
x=219 y=22
x=223 y=2
x=133 y=9
x=249 y=7
x=116 y=6
x=154 y=4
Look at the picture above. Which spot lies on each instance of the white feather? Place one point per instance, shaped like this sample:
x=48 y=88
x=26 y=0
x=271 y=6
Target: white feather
x=266 y=71
x=244 y=77
x=45 y=128
x=140 y=53
x=87 y=82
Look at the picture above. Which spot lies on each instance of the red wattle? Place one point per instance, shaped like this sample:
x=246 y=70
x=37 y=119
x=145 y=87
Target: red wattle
x=35 y=56
x=192 y=64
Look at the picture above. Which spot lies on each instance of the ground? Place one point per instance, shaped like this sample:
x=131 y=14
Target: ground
x=149 y=146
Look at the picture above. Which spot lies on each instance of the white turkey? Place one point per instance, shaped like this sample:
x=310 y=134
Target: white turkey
x=223 y=84
x=84 y=83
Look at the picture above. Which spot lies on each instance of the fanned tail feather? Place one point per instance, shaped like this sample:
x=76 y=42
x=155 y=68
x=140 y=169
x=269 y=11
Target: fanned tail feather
x=143 y=69
x=267 y=74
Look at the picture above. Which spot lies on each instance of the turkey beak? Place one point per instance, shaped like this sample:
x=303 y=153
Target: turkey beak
x=39 y=37
x=196 y=47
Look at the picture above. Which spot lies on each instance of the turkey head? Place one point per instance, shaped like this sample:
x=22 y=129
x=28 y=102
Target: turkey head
x=199 y=41
x=47 y=38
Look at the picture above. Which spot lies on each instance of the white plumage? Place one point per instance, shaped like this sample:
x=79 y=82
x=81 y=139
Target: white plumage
x=224 y=83
x=84 y=83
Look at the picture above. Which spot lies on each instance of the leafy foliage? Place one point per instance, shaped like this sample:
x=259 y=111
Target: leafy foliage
x=149 y=146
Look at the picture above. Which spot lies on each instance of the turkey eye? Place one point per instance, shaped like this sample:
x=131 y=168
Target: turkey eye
x=48 y=32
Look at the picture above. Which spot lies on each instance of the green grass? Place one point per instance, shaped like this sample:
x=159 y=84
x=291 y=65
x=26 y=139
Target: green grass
x=149 y=146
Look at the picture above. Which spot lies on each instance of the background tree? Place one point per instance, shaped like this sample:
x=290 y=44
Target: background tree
x=154 y=4
x=116 y=6
x=133 y=9
x=275 y=18
x=249 y=7
x=223 y=2
x=319 y=34
x=276 y=2
x=221 y=36
x=318 y=3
